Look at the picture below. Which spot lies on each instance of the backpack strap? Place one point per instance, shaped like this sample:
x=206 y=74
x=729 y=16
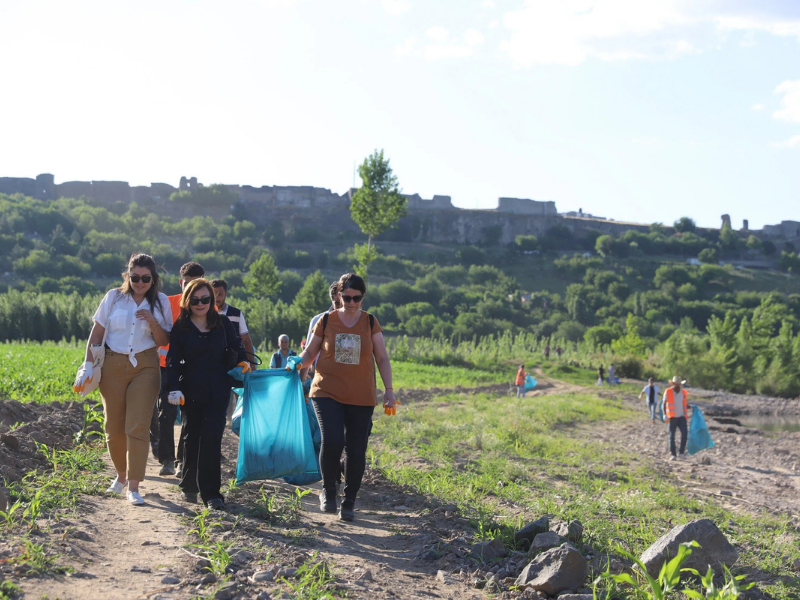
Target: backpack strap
x=371 y=321
x=325 y=322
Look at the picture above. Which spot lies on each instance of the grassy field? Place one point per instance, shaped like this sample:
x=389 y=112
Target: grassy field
x=507 y=462
x=44 y=373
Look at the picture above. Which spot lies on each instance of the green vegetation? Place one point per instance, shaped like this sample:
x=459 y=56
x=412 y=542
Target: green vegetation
x=506 y=462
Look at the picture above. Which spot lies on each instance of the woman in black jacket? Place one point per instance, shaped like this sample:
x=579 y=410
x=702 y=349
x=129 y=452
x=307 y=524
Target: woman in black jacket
x=198 y=380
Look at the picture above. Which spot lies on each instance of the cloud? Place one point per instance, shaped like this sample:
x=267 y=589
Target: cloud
x=790 y=104
x=442 y=45
x=568 y=32
x=646 y=141
x=488 y=4
x=793 y=142
x=396 y=7
x=758 y=107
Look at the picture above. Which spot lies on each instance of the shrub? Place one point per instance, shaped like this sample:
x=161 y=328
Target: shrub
x=630 y=367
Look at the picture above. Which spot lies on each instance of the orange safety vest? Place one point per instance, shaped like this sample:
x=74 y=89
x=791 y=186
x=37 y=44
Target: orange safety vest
x=669 y=405
x=520 y=377
x=175 y=305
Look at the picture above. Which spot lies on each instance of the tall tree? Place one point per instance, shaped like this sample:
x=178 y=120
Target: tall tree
x=378 y=204
x=263 y=279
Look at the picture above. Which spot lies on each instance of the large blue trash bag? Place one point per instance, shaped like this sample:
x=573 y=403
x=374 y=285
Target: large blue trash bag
x=316 y=436
x=275 y=437
x=699 y=437
x=530 y=383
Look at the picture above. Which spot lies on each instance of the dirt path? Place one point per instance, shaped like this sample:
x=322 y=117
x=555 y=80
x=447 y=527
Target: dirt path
x=399 y=546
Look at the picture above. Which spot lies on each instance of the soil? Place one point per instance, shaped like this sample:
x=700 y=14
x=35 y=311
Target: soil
x=400 y=546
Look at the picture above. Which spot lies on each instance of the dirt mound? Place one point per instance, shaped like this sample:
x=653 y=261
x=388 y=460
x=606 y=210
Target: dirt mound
x=23 y=426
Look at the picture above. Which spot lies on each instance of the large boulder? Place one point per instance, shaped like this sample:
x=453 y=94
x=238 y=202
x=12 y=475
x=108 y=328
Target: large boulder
x=714 y=551
x=556 y=570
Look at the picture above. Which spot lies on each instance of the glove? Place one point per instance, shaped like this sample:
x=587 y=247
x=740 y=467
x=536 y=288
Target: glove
x=391 y=410
x=293 y=362
x=176 y=398
x=84 y=377
x=245 y=367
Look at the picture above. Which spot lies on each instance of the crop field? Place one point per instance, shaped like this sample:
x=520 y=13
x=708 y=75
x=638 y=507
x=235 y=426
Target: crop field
x=44 y=372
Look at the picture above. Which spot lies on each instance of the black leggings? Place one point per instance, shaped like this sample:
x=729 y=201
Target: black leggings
x=343 y=427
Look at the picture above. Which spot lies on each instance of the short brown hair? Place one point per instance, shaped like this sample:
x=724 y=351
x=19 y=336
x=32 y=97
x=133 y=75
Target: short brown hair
x=192 y=269
x=220 y=283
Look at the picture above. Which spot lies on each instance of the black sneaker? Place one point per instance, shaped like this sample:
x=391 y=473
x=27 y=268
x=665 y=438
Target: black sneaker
x=327 y=501
x=347 y=512
x=216 y=504
x=189 y=497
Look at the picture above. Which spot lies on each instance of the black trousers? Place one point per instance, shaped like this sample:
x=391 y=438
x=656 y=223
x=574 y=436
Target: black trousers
x=674 y=424
x=343 y=427
x=167 y=415
x=203 y=426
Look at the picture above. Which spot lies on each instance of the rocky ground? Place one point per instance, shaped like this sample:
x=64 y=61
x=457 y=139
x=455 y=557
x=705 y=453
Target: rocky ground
x=400 y=546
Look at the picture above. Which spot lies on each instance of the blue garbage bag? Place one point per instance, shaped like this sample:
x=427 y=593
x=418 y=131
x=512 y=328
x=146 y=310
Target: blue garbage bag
x=316 y=436
x=530 y=383
x=699 y=437
x=275 y=438
x=236 y=418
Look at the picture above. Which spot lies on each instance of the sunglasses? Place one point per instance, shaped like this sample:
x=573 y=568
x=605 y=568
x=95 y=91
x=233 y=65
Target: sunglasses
x=355 y=299
x=143 y=278
x=203 y=300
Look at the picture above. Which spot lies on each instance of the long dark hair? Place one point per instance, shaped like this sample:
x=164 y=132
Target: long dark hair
x=213 y=318
x=145 y=261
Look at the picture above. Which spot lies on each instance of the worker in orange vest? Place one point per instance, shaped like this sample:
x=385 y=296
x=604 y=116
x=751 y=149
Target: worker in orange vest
x=520 y=381
x=676 y=410
x=167 y=413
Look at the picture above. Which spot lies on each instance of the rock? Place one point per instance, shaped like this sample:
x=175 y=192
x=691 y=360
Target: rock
x=286 y=572
x=4 y=501
x=141 y=569
x=545 y=541
x=202 y=564
x=556 y=570
x=430 y=555
x=226 y=592
x=478 y=583
x=81 y=575
x=263 y=576
x=150 y=543
x=367 y=576
x=531 y=529
x=170 y=580
x=242 y=557
x=209 y=578
x=263 y=595
x=488 y=551
x=573 y=530
x=10 y=440
x=444 y=577
x=575 y=597
x=714 y=551
x=80 y=535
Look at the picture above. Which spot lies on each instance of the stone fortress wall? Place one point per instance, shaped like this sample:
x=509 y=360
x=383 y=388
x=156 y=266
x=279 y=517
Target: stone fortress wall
x=429 y=220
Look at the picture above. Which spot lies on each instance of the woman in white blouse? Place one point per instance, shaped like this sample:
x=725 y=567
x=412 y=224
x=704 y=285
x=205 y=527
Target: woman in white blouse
x=134 y=319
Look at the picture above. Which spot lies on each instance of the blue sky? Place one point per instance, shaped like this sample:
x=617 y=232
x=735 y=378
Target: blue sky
x=629 y=109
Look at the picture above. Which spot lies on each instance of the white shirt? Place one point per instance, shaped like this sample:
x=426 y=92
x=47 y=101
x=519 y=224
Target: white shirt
x=240 y=319
x=646 y=392
x=125 y=333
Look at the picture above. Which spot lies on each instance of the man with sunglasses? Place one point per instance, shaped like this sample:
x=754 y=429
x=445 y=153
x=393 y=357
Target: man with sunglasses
x=167 y=414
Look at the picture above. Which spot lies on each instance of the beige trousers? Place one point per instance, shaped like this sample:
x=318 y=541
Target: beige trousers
x=129 y=394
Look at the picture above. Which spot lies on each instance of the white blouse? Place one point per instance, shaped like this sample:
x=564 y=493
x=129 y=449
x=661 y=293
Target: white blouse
x=127 y=334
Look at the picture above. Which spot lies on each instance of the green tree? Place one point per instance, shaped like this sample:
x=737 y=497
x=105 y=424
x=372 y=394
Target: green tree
x=685 y=225
x=262 y=280
x=312 y=298
x=709 y=256
x=378 y=204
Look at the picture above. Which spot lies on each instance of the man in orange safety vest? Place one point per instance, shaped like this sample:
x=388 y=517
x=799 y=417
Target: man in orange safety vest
x=675 y=410
x=520 y=381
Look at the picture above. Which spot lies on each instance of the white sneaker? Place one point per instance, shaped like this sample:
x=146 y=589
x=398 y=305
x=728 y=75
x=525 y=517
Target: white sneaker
x=116 y=487
x=672 y=458
x=135 y=498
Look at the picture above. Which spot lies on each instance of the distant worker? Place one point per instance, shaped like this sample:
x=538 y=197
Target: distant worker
x=547 y=352
x=278 y=360
x=520 y=381
x=611 y=374
x=601 y=375
x=650 y=392
x=559 y=352
x=675 y=411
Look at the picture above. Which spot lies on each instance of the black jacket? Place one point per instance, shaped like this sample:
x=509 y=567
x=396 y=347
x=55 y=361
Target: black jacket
x=196 y=361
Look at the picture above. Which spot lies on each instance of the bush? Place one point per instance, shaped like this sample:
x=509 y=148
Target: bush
x=630 y=367
x=470 y=256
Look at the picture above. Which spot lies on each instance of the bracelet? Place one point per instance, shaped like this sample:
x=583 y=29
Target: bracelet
x=389 y=389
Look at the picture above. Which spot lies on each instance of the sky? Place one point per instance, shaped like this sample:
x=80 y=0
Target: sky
x=635 y=110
